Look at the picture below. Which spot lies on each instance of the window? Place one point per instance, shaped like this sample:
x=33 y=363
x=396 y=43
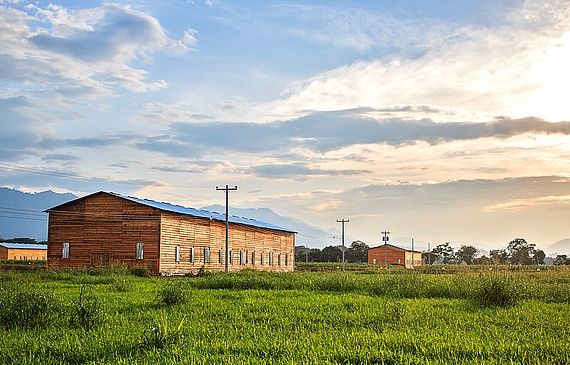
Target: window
x=65 y=250
x=262 y=261
x=253 y=257
x=287 y=259
x=192 y=258
x=221 y=256
x=242 y=258
x=271 y=258
x=231 y=258
x=207 y=255
x=177 y=254
x=140 y=250
x=279 y=259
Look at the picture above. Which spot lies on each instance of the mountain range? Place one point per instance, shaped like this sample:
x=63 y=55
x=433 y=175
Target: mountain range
x=21 y=215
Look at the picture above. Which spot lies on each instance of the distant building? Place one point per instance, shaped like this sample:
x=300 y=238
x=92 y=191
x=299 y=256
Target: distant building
x=22 y=251
x=394 y=255
x=104 y=228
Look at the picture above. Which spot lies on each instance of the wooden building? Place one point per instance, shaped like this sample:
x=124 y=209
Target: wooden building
x=393 y=255
x=104 y=228
x=22 y=251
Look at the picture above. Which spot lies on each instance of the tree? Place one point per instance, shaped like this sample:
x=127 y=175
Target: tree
x=561 y=260
x=466 y=254
x=521 y=252
x=538 y=257
x=327 y=254
x=357 y=252
x=443 y=251
x=499 y=257
x=483 y=260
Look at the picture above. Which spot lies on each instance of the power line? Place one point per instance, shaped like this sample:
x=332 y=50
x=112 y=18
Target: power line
x=92 y=178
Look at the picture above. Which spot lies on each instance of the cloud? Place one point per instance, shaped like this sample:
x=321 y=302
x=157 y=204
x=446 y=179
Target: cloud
x=531 y=207
x=87 y=50
x=329 y=131
x=298 y=171
x=478 y=73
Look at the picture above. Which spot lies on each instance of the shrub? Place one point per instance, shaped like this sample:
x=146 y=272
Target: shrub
x=497 y=291
x=172 y=293
x=87 y=312
x=140 y=271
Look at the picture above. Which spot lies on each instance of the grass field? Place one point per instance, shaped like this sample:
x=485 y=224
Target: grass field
x=109 y=316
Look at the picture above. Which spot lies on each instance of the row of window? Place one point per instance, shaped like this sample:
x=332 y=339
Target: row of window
x=31 y=258
x=244 y=256
x=264 y=258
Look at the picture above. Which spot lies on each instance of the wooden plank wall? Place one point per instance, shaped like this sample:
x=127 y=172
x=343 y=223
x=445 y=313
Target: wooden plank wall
x=393 y=256
x=202 y=233
x=103 y=229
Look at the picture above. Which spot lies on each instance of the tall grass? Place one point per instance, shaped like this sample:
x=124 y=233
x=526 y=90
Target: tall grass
x=297 y=318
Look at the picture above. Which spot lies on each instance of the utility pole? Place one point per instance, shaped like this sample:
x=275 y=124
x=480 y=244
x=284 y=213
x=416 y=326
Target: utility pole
x=343 y=221
x=385 y=238
x=227 y=189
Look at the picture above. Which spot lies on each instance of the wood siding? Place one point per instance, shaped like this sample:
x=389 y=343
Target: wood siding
x=393 y=255
x=103 y=229
x=245 y=243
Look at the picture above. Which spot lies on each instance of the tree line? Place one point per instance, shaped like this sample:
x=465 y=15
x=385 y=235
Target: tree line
x=518 y=252
x=357 y=253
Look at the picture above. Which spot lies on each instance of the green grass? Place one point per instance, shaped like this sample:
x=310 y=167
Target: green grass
x=294 y=318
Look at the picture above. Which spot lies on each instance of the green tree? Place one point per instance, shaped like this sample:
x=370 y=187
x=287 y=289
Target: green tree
x=466 y=254
x=538 y=256
x=499 y=257
x=444 y=252
x=521 y=252
x=561 y=260
x=357 y=252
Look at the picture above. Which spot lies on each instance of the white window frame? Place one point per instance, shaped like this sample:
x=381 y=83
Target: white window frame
x=64 y=250
x=221 y=260
x=270 y=258
x=177 y=254
x=207 y=255
x=192 y=255
x=140 y=251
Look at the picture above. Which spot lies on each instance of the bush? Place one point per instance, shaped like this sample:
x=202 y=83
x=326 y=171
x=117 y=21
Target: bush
x=172 y=293
x=86 y=313
x=497 y=291
x=140 y=271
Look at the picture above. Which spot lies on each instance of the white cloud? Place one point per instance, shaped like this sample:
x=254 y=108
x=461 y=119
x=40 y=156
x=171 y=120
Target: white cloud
x=480 y=73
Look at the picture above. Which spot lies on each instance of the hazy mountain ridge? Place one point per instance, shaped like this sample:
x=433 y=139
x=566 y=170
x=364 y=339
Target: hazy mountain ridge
x=307 y=235
x=21 y=213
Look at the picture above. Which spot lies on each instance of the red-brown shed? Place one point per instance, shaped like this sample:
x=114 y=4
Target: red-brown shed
x=393 y=255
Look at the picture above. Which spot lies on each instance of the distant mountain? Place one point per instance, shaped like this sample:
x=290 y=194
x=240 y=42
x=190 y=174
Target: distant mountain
x=307 y=235
x=561 y=247
x=21 y=214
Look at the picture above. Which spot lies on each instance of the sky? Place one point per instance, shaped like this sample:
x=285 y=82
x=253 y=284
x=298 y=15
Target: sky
x=433 y=119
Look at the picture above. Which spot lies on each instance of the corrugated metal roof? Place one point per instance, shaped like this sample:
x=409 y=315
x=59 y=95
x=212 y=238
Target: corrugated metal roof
x=23 y=246
x=202 y=213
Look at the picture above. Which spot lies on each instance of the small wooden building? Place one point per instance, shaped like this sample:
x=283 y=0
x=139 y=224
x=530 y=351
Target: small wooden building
x=104 y=228
x=22 y=251
x=393 y=255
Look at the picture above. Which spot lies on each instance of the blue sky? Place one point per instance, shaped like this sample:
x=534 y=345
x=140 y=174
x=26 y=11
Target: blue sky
x=438 y=120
